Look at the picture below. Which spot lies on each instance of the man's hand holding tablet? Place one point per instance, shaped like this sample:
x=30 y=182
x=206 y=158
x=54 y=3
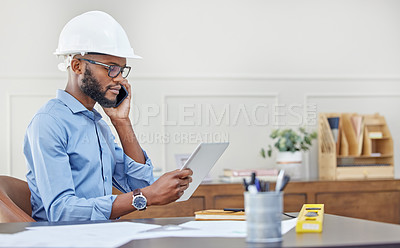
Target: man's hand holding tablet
x=200 y=162
x=168 y=188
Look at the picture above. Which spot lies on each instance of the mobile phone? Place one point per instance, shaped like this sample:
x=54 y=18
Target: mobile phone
x=123 y=93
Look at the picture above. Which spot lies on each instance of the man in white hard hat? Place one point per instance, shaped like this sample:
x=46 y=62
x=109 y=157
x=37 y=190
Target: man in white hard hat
x=73 y=160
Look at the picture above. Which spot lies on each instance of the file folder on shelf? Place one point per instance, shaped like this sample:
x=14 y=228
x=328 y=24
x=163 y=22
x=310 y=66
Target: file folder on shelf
x=360 y=156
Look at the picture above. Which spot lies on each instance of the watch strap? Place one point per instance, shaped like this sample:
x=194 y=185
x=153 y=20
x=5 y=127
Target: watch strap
x=137 y=192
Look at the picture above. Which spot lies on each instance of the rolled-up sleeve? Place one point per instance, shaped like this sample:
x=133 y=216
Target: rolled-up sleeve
x=45 y=150
x=70 y=207
x=129 y=174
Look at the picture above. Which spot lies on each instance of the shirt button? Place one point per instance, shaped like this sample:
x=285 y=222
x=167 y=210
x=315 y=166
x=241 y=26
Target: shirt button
x=105 y=179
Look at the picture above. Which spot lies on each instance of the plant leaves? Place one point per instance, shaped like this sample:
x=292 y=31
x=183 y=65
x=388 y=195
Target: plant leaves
x=269 y=150
x=290 y=140
x=262 y=152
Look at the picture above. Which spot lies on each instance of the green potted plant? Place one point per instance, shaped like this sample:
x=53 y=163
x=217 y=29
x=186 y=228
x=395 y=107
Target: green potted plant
x=287 y=140
x=290 y=145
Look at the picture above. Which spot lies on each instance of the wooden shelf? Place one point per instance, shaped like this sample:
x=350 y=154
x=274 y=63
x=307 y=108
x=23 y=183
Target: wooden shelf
x=367 y=156
x=354 y=149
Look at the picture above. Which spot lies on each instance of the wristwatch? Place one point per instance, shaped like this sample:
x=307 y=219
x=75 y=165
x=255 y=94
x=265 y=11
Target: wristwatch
x=139 y=201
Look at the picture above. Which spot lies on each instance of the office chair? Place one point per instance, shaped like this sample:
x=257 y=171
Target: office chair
x=15 y=204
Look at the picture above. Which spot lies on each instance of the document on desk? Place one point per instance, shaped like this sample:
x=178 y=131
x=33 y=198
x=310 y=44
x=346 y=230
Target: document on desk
x=228 y=229
x=118 y=233
x=83 y=235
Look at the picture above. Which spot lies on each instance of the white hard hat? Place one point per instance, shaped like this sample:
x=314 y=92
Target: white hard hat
x=94 y=32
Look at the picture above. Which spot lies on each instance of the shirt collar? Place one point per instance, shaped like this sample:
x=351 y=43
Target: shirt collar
x=76 y=107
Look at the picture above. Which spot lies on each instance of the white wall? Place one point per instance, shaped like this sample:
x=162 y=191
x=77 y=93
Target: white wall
x=339 y=55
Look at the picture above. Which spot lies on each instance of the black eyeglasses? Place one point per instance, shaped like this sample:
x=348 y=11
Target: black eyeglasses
x=113 y=70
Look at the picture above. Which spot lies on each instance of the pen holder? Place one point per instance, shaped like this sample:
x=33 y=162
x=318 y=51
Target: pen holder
x=263 y=216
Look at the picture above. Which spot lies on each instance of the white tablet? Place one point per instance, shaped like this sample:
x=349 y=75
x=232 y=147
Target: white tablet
x=200 y=162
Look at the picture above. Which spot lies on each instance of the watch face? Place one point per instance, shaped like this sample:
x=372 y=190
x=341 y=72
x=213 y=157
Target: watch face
x=139 y=202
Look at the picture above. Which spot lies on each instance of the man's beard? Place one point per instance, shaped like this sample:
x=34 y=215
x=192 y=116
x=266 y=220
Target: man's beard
x=91 y=87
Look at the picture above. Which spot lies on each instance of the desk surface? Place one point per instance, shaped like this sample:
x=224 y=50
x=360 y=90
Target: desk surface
x=337 y=231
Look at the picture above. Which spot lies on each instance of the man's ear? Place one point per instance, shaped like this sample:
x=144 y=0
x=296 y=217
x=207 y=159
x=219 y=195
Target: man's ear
x=77 y=66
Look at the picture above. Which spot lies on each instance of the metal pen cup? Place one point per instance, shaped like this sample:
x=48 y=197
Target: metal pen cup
x=263 y=216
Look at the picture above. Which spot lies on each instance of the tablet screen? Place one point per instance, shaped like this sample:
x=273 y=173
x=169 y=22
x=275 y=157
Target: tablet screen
x=200 y=162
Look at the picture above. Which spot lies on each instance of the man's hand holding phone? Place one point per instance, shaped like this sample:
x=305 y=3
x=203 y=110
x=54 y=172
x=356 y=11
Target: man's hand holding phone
x=123 y=93
x=123 y=104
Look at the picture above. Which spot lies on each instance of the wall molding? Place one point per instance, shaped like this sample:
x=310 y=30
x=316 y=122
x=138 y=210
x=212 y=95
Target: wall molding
x=346 y=95
x=9 y=97
x=255 y=77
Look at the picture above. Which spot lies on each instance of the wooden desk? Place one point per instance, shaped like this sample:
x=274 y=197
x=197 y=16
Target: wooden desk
x=337 y=232
x=377 y=200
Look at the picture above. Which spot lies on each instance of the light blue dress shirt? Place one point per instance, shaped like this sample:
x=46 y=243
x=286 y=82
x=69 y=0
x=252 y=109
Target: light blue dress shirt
x=73 y=161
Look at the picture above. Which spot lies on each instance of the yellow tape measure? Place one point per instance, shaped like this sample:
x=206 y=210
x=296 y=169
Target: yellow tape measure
x=310 y=218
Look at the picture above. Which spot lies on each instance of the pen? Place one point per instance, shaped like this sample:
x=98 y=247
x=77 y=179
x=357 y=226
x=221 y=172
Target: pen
x=253 y=178
x=245 y=184
x=257 y=184
x=234 y=209
x=286 y=179
x=279 y=181
x=254 y=185
x=264 y=186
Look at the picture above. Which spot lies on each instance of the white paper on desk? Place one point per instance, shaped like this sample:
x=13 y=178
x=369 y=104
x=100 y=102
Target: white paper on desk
x=85 y=235
x=228 y=228
x=232 y=229
x=287 y=225
x=118 y=233
x=197 y=229
x=217 y=228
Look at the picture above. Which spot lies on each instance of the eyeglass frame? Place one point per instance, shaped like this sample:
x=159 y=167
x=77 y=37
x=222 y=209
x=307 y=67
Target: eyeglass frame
x=109 y=67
